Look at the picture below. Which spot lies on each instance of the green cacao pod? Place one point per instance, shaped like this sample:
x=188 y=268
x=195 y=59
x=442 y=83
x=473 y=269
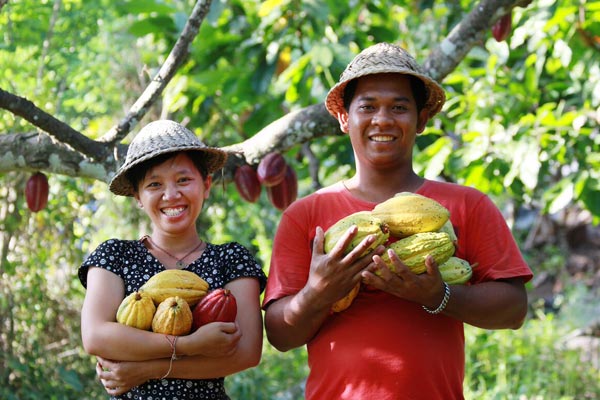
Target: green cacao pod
x=137 y=311
x=449 y=229
x=367 y=225
x=456 y=271
x=413 y=250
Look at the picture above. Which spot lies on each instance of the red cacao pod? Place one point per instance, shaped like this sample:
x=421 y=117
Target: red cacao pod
x=502 y=28
x=246 y=182
x=271 y=169
x=219 y=305
x=284 y=194
x=36 y=192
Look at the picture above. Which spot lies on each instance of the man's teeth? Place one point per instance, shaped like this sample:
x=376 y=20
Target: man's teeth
x=382 y=138
x=171 y=212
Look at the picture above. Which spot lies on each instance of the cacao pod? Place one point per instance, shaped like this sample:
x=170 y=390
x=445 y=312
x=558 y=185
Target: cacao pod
x=217 y=306
x=176 y=282
x=137 y=311
x=173 y=317
x=456 y=271
x=246 y=182
x=408 y=213
x=366 y=224
x=347 y=300
x=502 y=28
x=271 y=169
x=36 y=192
x=284 y=193
x=414 y=249
x=449 y=229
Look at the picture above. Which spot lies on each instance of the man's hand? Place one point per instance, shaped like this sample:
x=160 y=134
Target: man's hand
x=426 y=289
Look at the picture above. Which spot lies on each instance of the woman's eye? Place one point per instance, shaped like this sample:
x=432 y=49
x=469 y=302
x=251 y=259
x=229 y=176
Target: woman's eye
x=153 y=185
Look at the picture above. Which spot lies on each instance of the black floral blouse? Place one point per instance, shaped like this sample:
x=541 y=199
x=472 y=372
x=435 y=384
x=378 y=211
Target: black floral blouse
x=218 y=265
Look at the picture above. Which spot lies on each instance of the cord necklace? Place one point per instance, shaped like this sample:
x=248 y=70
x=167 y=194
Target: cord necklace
x=179 y=261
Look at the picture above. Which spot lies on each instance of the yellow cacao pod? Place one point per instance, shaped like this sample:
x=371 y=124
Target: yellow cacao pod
x=408 y=213
x=456 y=271
x=347 y=300
x=136 y=310
x=173 y=317
x=414 y=249
x=176 y=282
x=367 y=225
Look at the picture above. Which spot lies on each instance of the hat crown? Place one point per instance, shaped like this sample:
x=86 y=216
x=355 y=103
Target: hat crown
x=161 y=137
x=381 y=58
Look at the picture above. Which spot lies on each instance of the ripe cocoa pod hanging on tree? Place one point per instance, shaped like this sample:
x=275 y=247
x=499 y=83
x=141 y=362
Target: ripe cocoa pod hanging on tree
x=36 y=192
x=286 y=192
x=271 y=169
x=247 y=183
x=218 y=306
x=502 y=28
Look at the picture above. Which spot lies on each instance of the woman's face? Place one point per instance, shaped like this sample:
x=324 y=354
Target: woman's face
x=172 y=194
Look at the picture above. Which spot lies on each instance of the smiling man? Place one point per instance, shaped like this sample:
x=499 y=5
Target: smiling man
x=402 y=337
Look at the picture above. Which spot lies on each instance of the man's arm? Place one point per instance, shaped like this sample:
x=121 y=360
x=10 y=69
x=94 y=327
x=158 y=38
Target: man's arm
x=293 y=320
x=499 y=304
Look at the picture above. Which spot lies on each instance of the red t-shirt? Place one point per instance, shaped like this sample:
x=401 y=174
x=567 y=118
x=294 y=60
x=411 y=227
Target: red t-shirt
x=383 y=347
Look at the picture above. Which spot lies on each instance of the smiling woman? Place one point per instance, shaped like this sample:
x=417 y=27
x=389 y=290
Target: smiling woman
x=168 y=171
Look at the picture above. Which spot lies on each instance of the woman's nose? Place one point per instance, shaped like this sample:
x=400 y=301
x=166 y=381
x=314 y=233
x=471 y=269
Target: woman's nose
x=171 y=192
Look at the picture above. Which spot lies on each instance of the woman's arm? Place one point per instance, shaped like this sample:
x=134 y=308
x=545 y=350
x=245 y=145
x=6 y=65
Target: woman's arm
x=102 y=335
x=242 y=351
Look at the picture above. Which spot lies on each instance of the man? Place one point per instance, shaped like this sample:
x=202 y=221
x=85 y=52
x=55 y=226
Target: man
x=402 y=337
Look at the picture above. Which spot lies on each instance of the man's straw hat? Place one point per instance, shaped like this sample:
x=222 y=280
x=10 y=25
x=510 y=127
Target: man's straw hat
x=160 y=137
x=384 y=58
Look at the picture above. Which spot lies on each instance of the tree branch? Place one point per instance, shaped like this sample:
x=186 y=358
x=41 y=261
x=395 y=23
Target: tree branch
x=60 y=131
x=96 y=159
x=179 y=52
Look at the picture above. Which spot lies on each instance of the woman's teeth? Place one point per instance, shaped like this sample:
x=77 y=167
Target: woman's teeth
x=172 y=212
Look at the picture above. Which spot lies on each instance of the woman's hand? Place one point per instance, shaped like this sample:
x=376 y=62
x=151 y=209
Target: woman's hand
x=119 y=377
x=217 y=339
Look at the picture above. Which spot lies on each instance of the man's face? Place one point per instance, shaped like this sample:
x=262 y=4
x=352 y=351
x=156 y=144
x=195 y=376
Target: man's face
x=382 y=120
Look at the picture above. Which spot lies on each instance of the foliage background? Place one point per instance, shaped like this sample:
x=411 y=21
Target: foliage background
x=521 y=123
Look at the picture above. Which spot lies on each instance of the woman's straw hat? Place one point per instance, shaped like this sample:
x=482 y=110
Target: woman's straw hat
x=160 y=137
x=384 y=58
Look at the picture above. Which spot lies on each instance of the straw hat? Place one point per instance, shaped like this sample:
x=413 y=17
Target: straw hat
x=384 y=58
x=160 y=137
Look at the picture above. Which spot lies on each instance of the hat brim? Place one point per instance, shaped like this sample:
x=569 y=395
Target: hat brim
x=214 y=159
x=436 y=96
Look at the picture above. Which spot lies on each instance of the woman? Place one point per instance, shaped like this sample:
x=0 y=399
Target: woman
x=168 y=171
